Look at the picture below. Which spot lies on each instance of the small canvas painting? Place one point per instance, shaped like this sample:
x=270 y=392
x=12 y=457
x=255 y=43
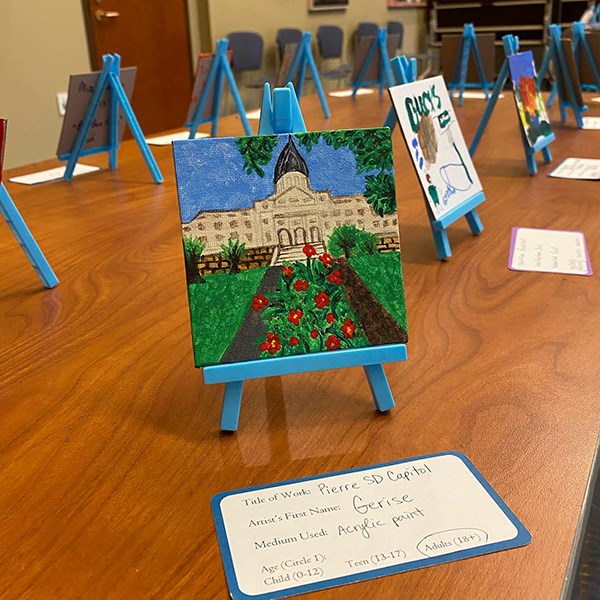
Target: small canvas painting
x=202 y=69
x=530 y=104
x=81 y=88
x=435 y=143
x=291 y=244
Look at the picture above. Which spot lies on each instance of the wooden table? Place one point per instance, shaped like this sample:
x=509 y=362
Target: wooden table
x=110 y=448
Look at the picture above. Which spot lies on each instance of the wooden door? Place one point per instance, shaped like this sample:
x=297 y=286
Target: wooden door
x=154 y=36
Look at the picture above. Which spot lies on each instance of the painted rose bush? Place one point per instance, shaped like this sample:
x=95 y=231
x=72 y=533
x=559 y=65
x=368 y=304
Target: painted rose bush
x=308 y=311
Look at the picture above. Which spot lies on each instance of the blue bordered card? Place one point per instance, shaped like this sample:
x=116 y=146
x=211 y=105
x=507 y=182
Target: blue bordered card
x=298 y=536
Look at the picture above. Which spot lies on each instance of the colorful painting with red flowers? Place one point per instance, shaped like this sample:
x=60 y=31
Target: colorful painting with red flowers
x=291 y=244
x=530 y=104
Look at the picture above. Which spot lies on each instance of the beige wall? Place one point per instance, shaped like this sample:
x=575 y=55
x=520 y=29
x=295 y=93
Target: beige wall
x=267 y=16
x=42 y=43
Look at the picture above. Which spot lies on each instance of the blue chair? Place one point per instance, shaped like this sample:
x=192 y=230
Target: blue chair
x=367 y=30
x=285 y=36
x=247 y=48
x=396 y=28
x=330 y=42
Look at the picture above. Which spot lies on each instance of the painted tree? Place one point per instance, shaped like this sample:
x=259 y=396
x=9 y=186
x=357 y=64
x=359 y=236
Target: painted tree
x=349 y=240
x=380 y=193
x=192 y=251
x=257 y=152
x=233 y=253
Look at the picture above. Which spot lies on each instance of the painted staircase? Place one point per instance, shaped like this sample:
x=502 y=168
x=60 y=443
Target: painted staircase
x=293 y=253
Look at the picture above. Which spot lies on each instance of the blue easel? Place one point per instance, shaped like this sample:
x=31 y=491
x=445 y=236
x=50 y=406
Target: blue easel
x=220 y=69
x=581 y=49
x=468 y=45
x=564 y=86
x=282 y=114
x=511 y=46
x=385 y=73
x=304 y=58
x=403 y=71
x=109 y=79
x=25 y=239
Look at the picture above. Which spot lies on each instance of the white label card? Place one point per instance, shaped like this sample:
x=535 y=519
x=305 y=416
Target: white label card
x=52 y=174
x=549 y=251
x=577 y=168
x=166 y=140
x=298 y=536
x=591 y=122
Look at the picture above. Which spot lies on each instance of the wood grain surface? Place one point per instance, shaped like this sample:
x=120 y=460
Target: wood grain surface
x=110 y=448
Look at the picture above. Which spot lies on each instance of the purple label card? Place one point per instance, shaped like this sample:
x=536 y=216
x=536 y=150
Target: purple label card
x=549 y=251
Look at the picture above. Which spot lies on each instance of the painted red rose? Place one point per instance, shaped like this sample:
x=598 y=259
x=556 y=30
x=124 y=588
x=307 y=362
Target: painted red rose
x=259 y=302
x=309 y=250
x=294 y=341
x=326 y=258
x=335 y=277
x=287 y=271
x=271 y=344
x=294 y=316
x=300 y=285
x=348 y=328
x=321 y=300
x=332 y=342
x=314 y=334
x=330 y=318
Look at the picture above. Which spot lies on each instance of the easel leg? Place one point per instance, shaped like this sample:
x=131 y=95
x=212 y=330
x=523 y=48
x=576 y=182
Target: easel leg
x=547 y=155
x=474 y=222
x=552 y=96
x=238 y=100
x=380 y=388
x=134 y=126
x=442 y=245
x=531 y=163
x=232 y=401
x=25 y=239
x=563 y=111
x=217 y=103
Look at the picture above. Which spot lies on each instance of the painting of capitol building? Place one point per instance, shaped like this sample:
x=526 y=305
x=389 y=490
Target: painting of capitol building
x=290 y=244
x=292 y=216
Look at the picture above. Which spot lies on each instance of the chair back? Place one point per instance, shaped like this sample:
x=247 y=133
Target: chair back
x=367 y=30
x=247 y=48
x=330 y=40
x=396 y=28
x=287 y=36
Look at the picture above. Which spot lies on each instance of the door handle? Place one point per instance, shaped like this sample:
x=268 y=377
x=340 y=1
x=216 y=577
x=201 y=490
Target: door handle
x=102 y=15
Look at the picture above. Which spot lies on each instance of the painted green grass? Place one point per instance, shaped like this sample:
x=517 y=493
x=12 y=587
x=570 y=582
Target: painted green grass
x=217 y=309
x=382 y=274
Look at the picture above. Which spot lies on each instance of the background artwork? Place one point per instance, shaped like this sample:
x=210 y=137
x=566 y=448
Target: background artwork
x=81 y=88
x=436 y=144
x=291 y=244
x=327 y=5
x=202 y=69
x=361 y=52
x=530 y=104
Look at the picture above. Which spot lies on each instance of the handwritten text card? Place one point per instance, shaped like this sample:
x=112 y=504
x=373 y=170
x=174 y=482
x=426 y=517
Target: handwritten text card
x=578 y=168
x=298 y=536
x=549 y=251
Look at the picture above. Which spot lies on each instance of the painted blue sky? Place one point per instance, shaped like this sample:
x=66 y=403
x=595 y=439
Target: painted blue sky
x=521 y=65
x=210 y=174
